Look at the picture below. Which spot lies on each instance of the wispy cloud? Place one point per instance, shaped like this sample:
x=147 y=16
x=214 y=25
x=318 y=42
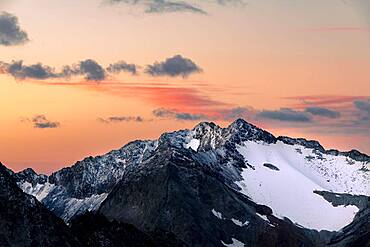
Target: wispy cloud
x=10 y=31
x=286 y=115
x=323 y=100
x=322 y=112
x=363 y=105
x=165 y=6
x=118 y=119
x=41 y=122
x=174 y=114
x=336 y=29
x=170 y=6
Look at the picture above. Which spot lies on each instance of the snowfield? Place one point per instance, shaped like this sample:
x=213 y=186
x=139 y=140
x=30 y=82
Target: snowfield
x=40 y=191
x=289 y=189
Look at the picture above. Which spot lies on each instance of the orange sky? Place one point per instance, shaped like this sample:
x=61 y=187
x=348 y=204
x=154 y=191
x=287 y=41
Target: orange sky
x=261 y=56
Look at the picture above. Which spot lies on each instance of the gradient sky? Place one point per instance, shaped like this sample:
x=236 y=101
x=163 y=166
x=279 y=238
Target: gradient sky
x=294 y=67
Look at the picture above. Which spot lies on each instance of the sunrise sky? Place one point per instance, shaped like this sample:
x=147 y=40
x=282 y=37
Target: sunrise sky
x=83 y=77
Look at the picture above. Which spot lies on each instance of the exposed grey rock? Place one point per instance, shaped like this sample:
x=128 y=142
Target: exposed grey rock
x=271 y=166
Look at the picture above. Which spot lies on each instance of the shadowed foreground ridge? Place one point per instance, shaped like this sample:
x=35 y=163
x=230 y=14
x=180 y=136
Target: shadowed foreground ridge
x=26 y=222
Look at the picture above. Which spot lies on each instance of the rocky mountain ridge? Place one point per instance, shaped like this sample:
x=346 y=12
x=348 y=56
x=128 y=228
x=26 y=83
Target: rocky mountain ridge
x=161 y=185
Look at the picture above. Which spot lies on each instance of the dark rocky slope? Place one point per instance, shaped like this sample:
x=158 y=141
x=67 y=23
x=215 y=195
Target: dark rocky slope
x=95 y=230
x=25 y=222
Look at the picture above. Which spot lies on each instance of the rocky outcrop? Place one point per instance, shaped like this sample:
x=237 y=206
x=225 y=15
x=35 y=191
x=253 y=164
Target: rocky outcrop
x=25 y=222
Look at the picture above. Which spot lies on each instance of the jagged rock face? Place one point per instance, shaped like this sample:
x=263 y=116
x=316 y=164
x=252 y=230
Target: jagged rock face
x=82 y=187
x=30 y=176
x=25 y=222
x=96 y=175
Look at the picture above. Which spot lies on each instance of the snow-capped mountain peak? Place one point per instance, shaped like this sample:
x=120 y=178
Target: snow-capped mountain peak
x=280 y=173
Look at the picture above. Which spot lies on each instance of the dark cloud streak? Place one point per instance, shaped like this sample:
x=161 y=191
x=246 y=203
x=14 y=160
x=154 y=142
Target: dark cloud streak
x=286 y=115
x=173 y=67
x=322 y=112
x=163 y=6
x=173 y=114
x=122 y=66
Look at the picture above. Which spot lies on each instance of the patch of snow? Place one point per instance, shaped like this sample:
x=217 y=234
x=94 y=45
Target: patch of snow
x=290 y=192
x=193 y=144
x=235 y=243
x=239 y=223
x=264 y=217
x=217 y=214
x=40 y=191
x=75 y=205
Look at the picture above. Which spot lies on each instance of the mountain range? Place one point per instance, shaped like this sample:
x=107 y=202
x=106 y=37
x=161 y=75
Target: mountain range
x=208 y=186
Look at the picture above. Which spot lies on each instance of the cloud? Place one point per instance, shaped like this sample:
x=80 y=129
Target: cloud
x=337 y=29
x=185 y=116
x=163 y=6
x=122 y=66
x=92 y=70
x=117 y=119
x=363 y=105
x=363 y=116
x=88 y=68
x=10 y=32
x=41 y=122
x=286 y=115
x=35 y=71
x=173 y=67
x=236 y=112
x=324 y=100
x=322 y=112
x=170 y=6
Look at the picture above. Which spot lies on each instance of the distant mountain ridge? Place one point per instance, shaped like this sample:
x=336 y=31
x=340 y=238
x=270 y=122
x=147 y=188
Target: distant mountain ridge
x=248 y=183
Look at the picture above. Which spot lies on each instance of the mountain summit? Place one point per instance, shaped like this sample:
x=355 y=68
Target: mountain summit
x=214 y=186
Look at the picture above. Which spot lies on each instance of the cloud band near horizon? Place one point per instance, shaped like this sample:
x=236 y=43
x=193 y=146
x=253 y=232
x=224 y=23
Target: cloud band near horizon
x=176 y=66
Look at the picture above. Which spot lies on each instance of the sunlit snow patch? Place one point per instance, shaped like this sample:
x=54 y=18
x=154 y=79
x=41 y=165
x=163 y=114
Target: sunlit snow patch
x=217 y=214
x=40 y=191
x=235 y=243
x=239 y=223
x=193 y=144
x=289 y=192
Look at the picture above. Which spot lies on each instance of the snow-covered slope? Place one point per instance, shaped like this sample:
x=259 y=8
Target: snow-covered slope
x=284 y=177
x=282 y=173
